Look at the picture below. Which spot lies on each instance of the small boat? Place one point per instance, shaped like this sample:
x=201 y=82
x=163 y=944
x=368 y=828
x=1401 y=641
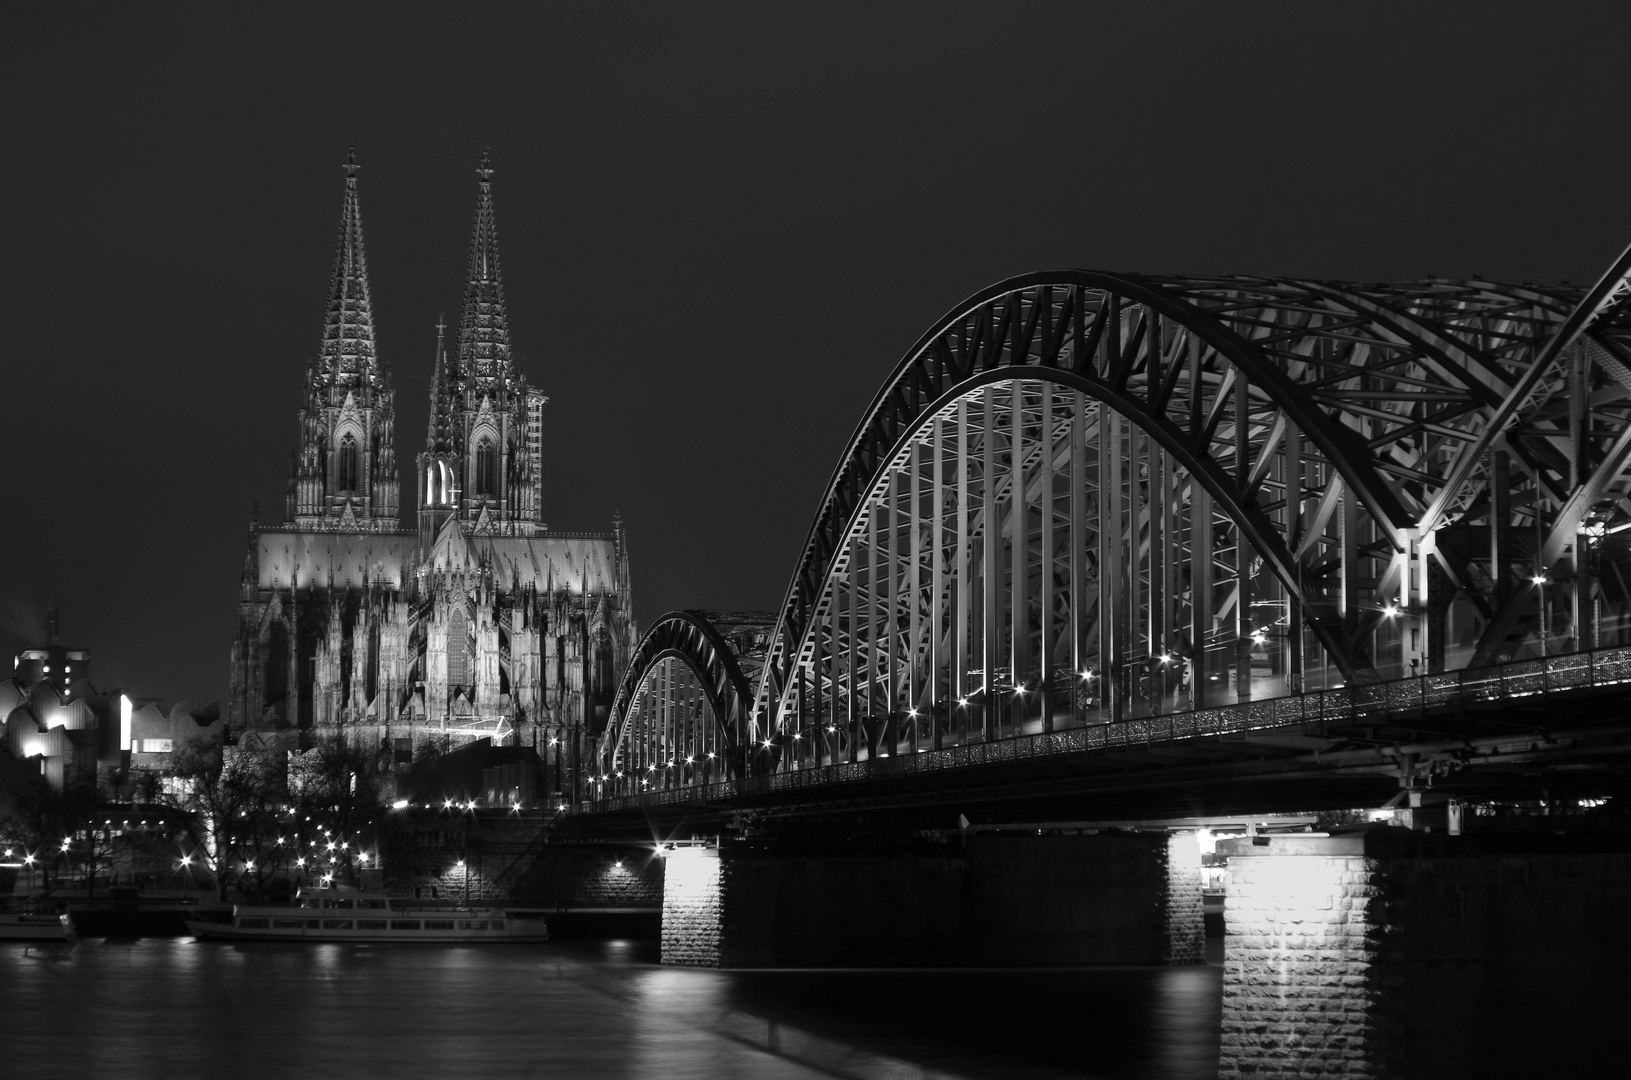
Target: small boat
x=354 y=915
x=36 y=926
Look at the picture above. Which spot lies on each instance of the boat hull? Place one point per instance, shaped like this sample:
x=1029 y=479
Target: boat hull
x=36 y=928
x=529 y=931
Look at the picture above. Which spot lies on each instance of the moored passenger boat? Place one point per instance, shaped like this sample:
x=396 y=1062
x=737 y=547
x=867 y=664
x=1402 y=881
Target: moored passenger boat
x=35 y=926
x=348 y=915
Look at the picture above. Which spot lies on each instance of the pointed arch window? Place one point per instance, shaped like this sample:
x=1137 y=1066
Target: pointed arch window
x=486 y=467
x=458 y=647
x=348 y=463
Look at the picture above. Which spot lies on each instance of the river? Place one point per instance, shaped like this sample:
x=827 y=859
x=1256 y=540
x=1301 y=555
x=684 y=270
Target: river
x=174 y=1007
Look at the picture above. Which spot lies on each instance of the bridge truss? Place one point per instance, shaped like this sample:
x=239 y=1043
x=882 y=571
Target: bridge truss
x=1084 y=498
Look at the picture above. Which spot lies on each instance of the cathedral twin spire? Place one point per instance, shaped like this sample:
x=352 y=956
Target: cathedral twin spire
x=480 y=459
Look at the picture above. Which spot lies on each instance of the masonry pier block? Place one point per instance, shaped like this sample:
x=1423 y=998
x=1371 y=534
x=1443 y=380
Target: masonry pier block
x=999 y=898
x=1393 y=954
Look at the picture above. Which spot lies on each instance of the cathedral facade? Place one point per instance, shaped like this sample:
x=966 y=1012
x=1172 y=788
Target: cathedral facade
x=480 y=621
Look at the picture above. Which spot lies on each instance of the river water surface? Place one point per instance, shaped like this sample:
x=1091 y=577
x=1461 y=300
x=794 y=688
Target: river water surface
x=174 y=1007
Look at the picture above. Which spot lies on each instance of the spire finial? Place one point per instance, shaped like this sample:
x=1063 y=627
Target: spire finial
x=351 y=165
x=485 y=169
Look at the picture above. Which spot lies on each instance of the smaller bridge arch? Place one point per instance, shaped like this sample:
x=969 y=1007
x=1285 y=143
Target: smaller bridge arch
x=679 y=709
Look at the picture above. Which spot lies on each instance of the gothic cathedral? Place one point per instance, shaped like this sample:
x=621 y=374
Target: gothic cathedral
x=480 y=622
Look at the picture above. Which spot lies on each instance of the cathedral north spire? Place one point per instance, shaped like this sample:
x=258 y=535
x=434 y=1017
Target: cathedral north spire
x=348 y=353
x=345 y=462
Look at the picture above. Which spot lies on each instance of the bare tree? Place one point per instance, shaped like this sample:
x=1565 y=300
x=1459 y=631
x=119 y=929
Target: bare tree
x=30 y=822
x=237 y=807
x=338 y=789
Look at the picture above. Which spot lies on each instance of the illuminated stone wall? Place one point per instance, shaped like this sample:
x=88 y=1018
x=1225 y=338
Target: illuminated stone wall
x=1399 y=954
x=693 y=908
x=1303 y=924
x=1184 y=936
x=506 y=860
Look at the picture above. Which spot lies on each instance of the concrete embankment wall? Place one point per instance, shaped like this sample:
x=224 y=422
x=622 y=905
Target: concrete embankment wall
x=510 y=859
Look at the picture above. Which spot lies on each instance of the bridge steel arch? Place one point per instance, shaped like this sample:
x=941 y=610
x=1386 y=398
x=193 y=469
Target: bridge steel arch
x=682 y=703
x=1082 y=497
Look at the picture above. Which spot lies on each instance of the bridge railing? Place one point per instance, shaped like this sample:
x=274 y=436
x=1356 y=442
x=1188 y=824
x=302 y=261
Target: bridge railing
x=1439 y=692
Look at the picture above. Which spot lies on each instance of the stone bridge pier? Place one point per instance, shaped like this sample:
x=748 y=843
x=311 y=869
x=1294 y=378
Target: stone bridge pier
x=1003 y=898
x=1397 y=954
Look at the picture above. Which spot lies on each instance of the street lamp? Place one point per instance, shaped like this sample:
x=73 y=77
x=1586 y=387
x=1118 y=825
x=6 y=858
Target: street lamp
x=466 y=874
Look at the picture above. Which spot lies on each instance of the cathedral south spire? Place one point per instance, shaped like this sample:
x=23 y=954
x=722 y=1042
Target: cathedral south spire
x=484 y=333
x=345 y=462
x=483 y=458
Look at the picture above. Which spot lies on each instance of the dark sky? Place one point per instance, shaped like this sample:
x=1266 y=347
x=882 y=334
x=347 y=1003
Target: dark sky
x=721 y=227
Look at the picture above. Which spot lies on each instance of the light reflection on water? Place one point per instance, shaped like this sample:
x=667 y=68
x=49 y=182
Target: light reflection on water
x=158 y=1007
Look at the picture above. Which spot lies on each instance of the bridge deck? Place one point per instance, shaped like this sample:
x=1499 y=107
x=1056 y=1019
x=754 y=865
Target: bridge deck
x=1337 y=747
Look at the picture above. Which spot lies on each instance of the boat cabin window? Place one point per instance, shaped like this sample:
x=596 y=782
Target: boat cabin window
x=343 y=905
x=372 y=905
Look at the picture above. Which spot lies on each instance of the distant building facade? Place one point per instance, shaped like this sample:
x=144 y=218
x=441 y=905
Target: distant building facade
x=54 y=723
x=480 y=621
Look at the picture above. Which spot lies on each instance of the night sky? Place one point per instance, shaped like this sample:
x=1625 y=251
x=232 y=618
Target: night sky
x=721 y=227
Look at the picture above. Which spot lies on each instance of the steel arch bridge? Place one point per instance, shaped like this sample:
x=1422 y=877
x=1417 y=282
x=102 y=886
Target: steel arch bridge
x=1083 y=498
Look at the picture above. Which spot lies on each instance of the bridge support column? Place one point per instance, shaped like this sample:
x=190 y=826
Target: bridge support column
x=1012 y=898
x=693 y=908
x=1397 y=954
